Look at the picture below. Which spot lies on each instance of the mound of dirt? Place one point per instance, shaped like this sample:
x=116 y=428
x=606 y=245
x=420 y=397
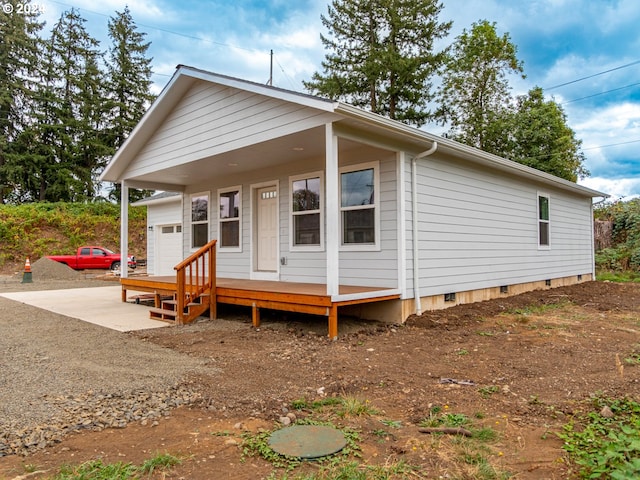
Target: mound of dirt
x=46 y=269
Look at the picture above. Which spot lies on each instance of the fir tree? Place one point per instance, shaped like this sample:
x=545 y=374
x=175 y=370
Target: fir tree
x=19 y=48
x=129 y=83
x=71 y=115
x=381 y=56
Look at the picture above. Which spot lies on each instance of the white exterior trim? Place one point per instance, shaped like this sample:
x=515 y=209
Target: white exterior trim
x=333 y=211
x=219 y=221
x=306 y=248
x=402 y=222
x=363 y=247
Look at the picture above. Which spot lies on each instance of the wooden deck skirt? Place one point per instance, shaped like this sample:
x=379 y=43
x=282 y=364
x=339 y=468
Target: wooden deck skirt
x=286 y=296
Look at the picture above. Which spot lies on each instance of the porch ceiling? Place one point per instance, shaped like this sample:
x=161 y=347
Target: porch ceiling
x=283 y=150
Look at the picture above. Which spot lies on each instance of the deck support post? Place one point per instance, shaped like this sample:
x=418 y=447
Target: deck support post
x=255 y=315
x=333 y=322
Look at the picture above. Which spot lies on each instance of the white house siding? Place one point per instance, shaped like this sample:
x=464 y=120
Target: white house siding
x=211 y=119
x=165 y=213
x=479 y=228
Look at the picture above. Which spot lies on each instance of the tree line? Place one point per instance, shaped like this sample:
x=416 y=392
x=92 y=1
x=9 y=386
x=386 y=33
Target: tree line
x=382 y=56
x=66 y=105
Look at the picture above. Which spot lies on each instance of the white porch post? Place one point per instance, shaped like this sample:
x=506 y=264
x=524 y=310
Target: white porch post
x=332 y=211
x=124 y=230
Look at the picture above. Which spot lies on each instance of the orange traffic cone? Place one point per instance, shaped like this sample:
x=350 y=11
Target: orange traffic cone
x=27 y=275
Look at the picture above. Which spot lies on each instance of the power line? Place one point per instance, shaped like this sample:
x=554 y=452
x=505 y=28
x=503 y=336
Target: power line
x=594 y=75
x=612 y=145
x=601 y=93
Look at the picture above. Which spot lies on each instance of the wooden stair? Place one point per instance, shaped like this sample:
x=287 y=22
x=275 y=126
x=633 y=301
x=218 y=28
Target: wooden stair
x=196 y=289
x=168 y=309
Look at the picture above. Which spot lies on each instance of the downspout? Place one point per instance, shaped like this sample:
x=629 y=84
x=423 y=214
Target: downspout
x=414 y=207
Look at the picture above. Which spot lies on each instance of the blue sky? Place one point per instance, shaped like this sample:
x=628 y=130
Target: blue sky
x=559 y=41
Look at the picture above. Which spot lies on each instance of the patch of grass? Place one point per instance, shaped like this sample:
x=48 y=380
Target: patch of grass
x=633 y=358
x=354 y=471
x=162 y=461
x=303 y=404
x=392 y=423
x=97 y=470
x=354 y=407
x=487 y=391
x=537 y=309
x=625 y=276
x=445 y=420
x=605 y=446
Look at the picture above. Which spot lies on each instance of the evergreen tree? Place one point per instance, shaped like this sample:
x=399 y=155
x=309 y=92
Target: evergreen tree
x=540 y=137
x=474 y=97
x=129 y=84
x=71 y=116
x=19 y=46
x=381 y=56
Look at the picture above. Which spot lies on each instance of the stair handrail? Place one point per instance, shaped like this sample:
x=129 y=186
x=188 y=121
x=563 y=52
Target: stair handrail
x=200 y=269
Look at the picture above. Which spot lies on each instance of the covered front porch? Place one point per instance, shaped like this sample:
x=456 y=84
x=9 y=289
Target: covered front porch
x=296 y=297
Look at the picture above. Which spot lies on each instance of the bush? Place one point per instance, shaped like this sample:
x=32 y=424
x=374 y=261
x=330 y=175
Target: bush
x=624 y=254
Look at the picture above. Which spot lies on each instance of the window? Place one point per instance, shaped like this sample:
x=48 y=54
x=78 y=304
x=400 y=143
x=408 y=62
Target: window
x=358 y=205
x=199 y=220
x=229 y=201
x=543 y=221
x=306 y=211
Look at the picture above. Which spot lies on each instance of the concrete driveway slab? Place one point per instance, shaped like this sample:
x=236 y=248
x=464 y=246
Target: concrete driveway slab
x=97 y=305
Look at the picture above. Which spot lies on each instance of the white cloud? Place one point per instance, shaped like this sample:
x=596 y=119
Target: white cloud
x=623 y=188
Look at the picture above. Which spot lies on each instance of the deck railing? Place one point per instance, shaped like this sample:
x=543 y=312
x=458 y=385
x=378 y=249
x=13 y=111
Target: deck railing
x=195 y=278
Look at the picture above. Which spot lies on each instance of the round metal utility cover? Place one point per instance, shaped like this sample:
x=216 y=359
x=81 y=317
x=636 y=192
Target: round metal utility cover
x=307 y=441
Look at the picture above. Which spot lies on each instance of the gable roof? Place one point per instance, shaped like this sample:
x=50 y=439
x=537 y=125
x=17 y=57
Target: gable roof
x=349 y=116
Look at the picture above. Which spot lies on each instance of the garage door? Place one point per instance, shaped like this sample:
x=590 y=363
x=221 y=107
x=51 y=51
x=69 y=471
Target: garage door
x=169 y=251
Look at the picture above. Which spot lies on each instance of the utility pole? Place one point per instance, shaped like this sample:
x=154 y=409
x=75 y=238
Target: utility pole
x=270 y=82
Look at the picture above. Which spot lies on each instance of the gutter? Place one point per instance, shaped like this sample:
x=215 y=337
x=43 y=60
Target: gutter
x=414 y=207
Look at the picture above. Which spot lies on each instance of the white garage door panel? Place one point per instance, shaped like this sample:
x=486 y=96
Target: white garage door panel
x=169 y=251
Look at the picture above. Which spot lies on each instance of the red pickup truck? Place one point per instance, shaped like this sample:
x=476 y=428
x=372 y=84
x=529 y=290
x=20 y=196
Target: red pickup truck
x=93 y=257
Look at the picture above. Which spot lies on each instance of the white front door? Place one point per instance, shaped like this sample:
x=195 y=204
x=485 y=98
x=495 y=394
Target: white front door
x=267 y=229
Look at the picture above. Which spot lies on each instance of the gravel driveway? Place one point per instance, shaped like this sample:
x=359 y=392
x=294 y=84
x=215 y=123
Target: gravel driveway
x=60 y=374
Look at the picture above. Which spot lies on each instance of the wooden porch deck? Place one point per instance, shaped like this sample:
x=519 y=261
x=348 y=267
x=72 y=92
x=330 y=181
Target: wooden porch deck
x=286 y=296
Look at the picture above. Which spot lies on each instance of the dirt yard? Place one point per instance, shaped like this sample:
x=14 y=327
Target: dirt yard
x=523 y=366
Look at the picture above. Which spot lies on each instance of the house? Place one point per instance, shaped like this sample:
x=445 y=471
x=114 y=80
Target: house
x=300 y=190
x=164 y=235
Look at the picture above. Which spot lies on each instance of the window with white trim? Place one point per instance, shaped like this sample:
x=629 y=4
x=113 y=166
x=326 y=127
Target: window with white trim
x=199 y=220
x=544 y=225
x=358 y=204
x=306 y=212
x=229 y=218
